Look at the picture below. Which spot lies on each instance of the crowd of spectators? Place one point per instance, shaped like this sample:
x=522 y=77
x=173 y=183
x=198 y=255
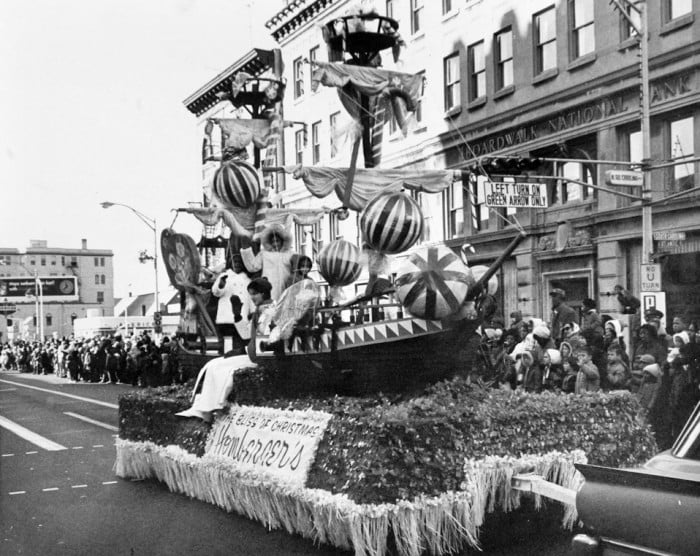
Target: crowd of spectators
x=574 y=353
x=137 y=360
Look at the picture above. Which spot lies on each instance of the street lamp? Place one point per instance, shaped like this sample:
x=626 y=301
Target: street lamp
x=151 y=223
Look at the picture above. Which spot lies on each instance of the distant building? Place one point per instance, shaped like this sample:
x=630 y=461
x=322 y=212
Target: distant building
x=61 y=284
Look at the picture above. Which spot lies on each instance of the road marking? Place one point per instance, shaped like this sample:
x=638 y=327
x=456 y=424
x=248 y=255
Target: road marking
x=8 y=389
x=17 y=492
x=91 y=421
x=7 y=455
x=79 y=486
x=30 y=436
x=49 y=489
x=98 y=445
x=34 y=452
x=77 y=448
x=81 y=398
x=109 y=482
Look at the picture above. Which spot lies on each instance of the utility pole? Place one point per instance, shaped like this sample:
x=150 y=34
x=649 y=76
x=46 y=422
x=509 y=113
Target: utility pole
x=647 y=236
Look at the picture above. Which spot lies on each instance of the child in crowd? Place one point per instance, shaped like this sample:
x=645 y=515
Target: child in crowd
x=531 y=373
x=587 y=377
x=650 y=382
x=618 y=374
x=569 y=368
x=552 y=375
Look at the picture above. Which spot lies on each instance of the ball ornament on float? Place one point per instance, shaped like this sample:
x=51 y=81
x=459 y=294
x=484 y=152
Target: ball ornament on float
x=433 y=283
x=391 y=222
x=237 y=183
x=339 y=263
x=491 y=286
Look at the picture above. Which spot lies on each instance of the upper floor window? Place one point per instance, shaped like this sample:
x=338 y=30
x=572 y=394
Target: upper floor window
x=677 y=8
x=97 y=279
x=43 y=261
x=418 y=114
x=97 y=261
x=545 y=40
x=103 y=279
x=582 y=28
x=102 y=261
x=333 y=133
x=416 y=15
x=503 y=48
x=476 y=66
x=390 y=8
x=315 y=142
x=446 y=6
x=313 y=54
x=100 y=297
x=451 y=84
x=299 y=146
x=333 y=226
x=298 y=71
x=74 y=261
x=32 y=262
x=49 y=320
x=454 y=209
x=53 y=261
x=479 y=212
x=630 y=24
x=682 y=147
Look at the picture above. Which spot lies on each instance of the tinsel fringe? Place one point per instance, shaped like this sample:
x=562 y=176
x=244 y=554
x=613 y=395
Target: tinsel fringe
x=438 y=525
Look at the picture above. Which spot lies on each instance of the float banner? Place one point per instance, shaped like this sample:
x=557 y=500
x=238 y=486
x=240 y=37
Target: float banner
x=276 y=442
x=515 y=195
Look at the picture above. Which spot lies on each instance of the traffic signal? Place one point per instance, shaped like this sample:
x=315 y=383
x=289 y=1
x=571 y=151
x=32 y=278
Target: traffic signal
x=157 y=318
x=512 y=166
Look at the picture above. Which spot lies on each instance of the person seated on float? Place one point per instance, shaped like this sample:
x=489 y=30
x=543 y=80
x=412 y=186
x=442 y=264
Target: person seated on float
x=273 y=259
x=301 y=266
x=216 y=377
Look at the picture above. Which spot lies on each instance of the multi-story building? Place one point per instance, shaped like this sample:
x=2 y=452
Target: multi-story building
x=555 y=82
x=49 y=287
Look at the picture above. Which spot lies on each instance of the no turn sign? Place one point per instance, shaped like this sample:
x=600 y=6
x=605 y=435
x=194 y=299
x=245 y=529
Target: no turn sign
x=650 y=278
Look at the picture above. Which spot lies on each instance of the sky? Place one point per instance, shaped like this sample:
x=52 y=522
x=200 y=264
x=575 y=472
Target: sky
x=91 y=110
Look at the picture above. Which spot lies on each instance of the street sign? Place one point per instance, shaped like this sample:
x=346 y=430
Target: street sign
x=656 y=300
x=624 y=177
x=650 y=278
x=515 y=195
x=669 y=236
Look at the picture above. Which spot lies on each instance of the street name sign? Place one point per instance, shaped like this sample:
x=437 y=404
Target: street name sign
x=651 y=278
x=624 y=177
x=515 y=195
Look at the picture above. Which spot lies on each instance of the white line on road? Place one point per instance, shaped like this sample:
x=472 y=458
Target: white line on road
x=81 y=398
x=30 y=436
x=7 y=455
x=77 y=448
x=49 y=489
x=33 y=452
x=109 y=482
x=91 y=421
x=8 y=389
x=17 y=492
x=98 y=445
x=79 y=486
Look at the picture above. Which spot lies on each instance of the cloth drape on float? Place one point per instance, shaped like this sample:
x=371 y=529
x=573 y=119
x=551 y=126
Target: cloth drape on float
x=239 y=133
x=322 y=181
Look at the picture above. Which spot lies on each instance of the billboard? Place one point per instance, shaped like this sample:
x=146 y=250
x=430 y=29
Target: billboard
x=24 y=289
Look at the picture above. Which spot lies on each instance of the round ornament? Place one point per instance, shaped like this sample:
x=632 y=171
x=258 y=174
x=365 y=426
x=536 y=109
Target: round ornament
x=237 y=183
x=391 y=222
x=433 y=282
x=339 y=263
x=492 y=284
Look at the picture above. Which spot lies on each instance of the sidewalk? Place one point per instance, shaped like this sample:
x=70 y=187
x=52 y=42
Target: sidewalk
x=49 y=379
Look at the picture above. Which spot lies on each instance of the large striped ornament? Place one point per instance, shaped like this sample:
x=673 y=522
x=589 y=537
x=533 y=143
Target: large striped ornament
x=237 y=183
x=339 y=263
x=391 y=222
x=432 y=283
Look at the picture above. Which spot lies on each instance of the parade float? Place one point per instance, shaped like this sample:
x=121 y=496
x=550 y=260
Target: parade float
x=358 y=427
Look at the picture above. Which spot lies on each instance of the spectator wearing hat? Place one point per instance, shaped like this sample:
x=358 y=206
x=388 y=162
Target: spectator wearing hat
x=531 y=373
x=552 y=375
x=681 y=395
x=518 y=325
x=647 y=344
x=627 y=301
x=591 y=323
x=653 y=317
x=617 y=371
x=612 y=337
x=588 y=376
x=561 y=313
x=651 y=381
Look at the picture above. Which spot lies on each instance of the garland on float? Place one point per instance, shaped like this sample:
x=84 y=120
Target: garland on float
x=441 y=524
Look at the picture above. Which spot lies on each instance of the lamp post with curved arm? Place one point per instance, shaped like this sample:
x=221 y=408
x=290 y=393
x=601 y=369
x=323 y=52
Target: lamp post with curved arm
x=151 y=223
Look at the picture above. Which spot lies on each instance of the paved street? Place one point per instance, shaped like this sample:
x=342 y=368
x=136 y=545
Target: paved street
x=59 y=493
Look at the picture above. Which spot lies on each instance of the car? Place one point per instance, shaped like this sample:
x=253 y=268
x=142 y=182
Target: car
x=651 y=510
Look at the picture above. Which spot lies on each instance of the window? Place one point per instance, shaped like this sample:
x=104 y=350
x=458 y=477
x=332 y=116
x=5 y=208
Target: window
x=317 y=241
x=451 y=70
x=298 y=71
x=334 y=227
x=455 y=198
x=479 y=211
x=301 y=236
x=418 y=114
x=49 y=320
x=390 y=8
x=63 y=261
x=477 y=71
x=677 y=8
x=102 y=261
x=43 y=261
x=446 y=6
x=627 y=30
x=315 y=142
x=32 y=262
x=682 y=147
x=313 y=54
x=74 y=261
x=100 y=297
x=431 y=207
x=53 y=261
x=97 y=261
x=103 y=279
x=299 y=146
x=565 y=191
x=416 y=14
x=582 y=29
x=503 y=48
x=97 y=279
x=545 y=41
x=334 y=131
